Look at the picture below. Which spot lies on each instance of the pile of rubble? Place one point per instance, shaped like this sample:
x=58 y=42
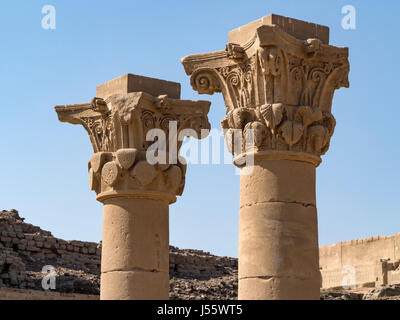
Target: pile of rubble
x=12 y=270
x=391 y=292
x=25 y=249
x=197 y=274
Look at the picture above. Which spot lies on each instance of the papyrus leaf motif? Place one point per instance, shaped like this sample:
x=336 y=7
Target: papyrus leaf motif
x=174 y=177
x=257 y=135
x=97 y=161
x=143 y=172
x=272 y=114
x=319 y=138
x=228 y=134
x=291 y=131
x=237 y=118
x=126 y=157
x=308 y=115
x=329 y=122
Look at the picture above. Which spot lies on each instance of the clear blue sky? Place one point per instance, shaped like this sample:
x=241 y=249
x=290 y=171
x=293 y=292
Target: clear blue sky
x=44 y=162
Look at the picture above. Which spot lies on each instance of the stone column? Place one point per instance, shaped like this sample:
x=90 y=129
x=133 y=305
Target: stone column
x=135 y=189
x=277 y=76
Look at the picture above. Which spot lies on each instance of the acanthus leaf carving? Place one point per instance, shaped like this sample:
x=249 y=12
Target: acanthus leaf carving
x=291 y=131
x=307 y=115
x=235 y=51
x=118 y=126
x=270 y=61
x=284 y=83
x=258 y=134
x=272 y=114
x=126 y=157
x=237 y=118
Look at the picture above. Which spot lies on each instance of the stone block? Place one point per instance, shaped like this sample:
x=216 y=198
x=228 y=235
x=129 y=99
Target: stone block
x=134 y=83
x=299 y=29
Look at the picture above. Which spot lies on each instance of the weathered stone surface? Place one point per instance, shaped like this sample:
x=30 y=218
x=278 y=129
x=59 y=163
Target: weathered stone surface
x=282 y=181
x=383 y=292
x=135 y=191
x=278 y=85
x=21 y=265
x=139 y=239
x=134 y=285
x=277 y=76
x=298 y=29
x=20 y=294
x=374 y=261
x=278 y=227
x=134 y=83
x=193 y=274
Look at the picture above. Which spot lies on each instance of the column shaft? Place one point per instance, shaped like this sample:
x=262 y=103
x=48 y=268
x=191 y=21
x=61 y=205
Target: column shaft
x=278 y=232
x=134 y=185
x=278 y=76
x=135 y=253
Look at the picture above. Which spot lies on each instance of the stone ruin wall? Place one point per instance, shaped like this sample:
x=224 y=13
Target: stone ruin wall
x=375 y=261
x=198 y=264
x=25 y=249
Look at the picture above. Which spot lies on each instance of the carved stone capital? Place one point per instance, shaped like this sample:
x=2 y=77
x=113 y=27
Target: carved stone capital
x=118 y=126
x=127 y=173
x=276 y=84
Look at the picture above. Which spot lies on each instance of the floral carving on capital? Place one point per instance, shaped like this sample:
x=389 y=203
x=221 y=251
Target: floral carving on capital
x=278 y=86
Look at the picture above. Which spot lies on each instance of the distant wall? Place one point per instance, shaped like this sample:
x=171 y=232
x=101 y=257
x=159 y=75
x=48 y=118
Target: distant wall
x=199 y=264
x=372 y=261
x=25 y=249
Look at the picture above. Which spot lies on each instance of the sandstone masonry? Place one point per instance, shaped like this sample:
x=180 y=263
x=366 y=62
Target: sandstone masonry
x=136 y=193
x=277 y=76
x=25 y=249
x=193 y=273
x=370 y=262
